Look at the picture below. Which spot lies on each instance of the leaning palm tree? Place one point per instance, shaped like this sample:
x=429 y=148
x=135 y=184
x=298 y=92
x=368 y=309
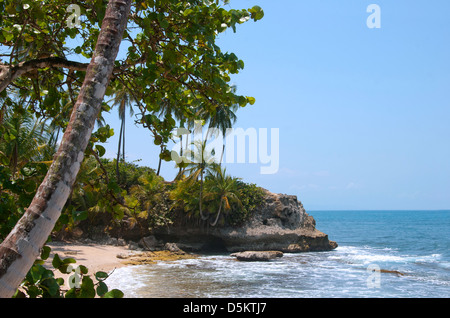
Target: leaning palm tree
x=22 y=246
x=223 y=187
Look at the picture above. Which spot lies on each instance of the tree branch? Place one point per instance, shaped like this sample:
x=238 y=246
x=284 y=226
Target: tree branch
x=9 y=73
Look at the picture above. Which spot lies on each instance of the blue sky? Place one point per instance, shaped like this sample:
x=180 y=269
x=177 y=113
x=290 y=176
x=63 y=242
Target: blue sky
x=363 y=114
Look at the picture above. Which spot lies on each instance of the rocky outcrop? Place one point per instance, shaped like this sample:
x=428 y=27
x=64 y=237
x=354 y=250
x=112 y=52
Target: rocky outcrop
x=257 y=256
x=280 y=224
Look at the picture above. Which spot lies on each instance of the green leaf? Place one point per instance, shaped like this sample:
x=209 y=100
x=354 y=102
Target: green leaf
x=187 y=12
x=242 y=101
x=51 y=287
x=79 y=215
x=71 y=293
x=45 y=253
x=36 y=272
x=257 y=13
x=87 y=288
x=157 y=141
x=101 y=150
x=251 y=100
x=57 y=262
x=68 y=260
x=83 y=269
x=102 y=289
x=33 y=291
x=101 y=276
x=60 y=281
x=8 y=35
x=65 y=268
x=114 y=293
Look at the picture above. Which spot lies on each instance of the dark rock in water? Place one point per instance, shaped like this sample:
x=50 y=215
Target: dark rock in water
x=280 y=224
x=257 y=256
x=150 y=243
x=173 y=247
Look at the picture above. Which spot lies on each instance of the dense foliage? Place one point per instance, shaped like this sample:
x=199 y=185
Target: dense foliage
x=41 y=281
x=146 y=200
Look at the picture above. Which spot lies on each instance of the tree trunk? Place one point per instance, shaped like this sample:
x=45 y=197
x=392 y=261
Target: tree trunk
x=160 y=160
x=221 y=156
x=204 y=218
x=123 y=139
x=22 y=246
x=118 y=152
x=218 y=213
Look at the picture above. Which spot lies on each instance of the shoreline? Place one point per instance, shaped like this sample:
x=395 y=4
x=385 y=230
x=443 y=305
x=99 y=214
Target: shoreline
x=106 y=258
x=95 y=256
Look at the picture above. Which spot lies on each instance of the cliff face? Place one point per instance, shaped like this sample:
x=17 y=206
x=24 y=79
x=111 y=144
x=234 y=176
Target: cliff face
x=280 y=224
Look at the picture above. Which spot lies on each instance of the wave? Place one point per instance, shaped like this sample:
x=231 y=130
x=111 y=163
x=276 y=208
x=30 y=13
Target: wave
x=367 y=255
x=318 y=274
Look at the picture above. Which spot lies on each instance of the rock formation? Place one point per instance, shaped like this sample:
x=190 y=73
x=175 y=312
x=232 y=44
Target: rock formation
x=280 y=224
x=256 y=256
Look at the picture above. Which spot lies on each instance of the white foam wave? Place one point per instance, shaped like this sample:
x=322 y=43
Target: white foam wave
x=367 y=255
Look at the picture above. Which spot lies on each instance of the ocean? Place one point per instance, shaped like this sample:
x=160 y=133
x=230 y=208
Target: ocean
x=381 y=254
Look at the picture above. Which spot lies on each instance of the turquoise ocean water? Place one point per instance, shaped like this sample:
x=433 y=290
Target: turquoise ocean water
x=389 y=254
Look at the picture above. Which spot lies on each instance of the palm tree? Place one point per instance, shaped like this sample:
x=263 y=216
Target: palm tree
x=222 y=118
x=123 y=99
x=223 y=187
x=25 y=140
x=201 y=162
x=167 y=108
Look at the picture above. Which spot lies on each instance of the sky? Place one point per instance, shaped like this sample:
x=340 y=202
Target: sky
x=363 y=113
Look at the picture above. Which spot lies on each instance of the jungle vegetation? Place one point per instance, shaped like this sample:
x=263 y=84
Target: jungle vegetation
x=172 y=74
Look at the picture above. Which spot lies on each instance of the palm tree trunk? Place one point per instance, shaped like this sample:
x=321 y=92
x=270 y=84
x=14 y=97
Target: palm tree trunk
x=181 y=155
x=160 y=159
x=221 y=156
x=22 y=246
x=118 y=152
x=123 y=139
x=204 y=218
x=218 y=213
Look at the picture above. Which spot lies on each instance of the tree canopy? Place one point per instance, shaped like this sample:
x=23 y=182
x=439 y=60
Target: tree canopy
x=172 y=68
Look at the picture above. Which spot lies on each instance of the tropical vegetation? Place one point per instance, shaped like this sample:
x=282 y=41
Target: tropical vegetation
x=172 y=74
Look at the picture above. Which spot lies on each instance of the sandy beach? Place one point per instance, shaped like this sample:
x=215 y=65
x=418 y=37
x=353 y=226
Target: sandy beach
x=107 y=258
x=95 y=257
